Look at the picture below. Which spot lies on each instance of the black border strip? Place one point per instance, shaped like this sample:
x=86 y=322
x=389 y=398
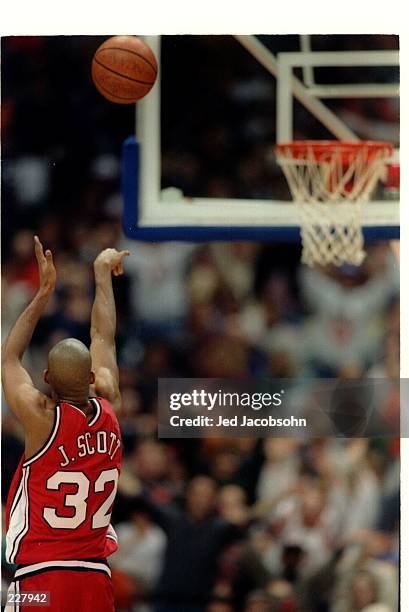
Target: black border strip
x=98 y=413
x=54 y=568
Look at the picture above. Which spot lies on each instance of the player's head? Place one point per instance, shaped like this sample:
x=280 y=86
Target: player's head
x=201 y=497
x=69 y=371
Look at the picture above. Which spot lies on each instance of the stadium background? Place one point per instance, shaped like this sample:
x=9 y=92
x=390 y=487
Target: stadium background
x=316 y=523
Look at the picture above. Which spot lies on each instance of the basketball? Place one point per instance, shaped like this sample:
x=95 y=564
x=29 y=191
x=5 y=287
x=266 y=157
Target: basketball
x=124 y=69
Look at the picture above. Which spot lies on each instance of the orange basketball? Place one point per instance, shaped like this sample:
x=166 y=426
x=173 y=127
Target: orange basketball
x=124 y=69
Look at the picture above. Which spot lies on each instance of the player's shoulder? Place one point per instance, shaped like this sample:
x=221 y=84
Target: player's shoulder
x=50 y=405
x=41 y=429
x=105 y=404
x=105 y=407
x=42 y=408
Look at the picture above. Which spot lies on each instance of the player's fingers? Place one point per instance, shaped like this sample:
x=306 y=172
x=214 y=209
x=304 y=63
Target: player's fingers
x=38 y=248
x=120 y=265
x=49 y=255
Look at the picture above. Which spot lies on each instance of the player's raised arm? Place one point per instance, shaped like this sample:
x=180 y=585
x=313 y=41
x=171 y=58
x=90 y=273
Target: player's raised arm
x=21 y=395
x=103 y=326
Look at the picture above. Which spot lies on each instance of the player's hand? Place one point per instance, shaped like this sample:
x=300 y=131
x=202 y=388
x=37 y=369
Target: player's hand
x=395 y=246
x=112 y=259
x=46 y=269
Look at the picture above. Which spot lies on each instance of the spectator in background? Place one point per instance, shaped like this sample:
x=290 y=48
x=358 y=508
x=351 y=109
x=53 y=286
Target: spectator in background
x=280 y=470
x=364 y=595
x=347 y=306
x=274 y=310
x=159 y=296
x=260 y=601
x=196 y=537
x=306 y=521
x=140 y=556
x=21 y=269
x=232 y=504
x=14 y=296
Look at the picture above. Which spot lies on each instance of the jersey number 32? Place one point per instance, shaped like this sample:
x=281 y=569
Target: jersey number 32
x=78 y=501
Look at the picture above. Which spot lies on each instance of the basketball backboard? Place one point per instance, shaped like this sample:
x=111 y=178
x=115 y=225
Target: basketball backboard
x=299 y=81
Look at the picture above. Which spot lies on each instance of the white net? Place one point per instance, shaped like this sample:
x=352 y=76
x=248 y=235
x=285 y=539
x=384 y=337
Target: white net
x=330 y=184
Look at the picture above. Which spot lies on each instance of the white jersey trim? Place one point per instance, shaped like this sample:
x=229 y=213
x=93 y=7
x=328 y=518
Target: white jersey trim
x=54 y=565
x=98 y=411
x=111 y=534
x=17 y=496
x=50 y=440
x=82 y=413
x=19 y=519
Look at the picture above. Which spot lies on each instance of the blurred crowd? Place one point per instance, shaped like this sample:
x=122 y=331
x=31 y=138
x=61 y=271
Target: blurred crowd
x=216 y=525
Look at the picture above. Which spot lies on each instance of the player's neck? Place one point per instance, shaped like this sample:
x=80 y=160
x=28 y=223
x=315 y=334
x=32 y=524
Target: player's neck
x=81 y=403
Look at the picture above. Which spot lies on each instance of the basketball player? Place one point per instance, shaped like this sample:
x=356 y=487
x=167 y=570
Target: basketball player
x=60 y=501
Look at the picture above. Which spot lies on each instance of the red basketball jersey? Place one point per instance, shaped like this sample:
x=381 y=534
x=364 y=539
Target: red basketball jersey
x=60 y=500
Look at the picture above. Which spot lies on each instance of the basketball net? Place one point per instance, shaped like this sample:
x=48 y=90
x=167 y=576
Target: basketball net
x=331 y=182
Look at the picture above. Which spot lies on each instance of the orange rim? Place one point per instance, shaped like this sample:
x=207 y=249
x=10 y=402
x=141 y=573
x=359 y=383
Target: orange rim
x=302 y=149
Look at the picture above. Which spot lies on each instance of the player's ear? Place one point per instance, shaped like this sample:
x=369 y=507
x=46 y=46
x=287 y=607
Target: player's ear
x=45 y=377
x=92 y=378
